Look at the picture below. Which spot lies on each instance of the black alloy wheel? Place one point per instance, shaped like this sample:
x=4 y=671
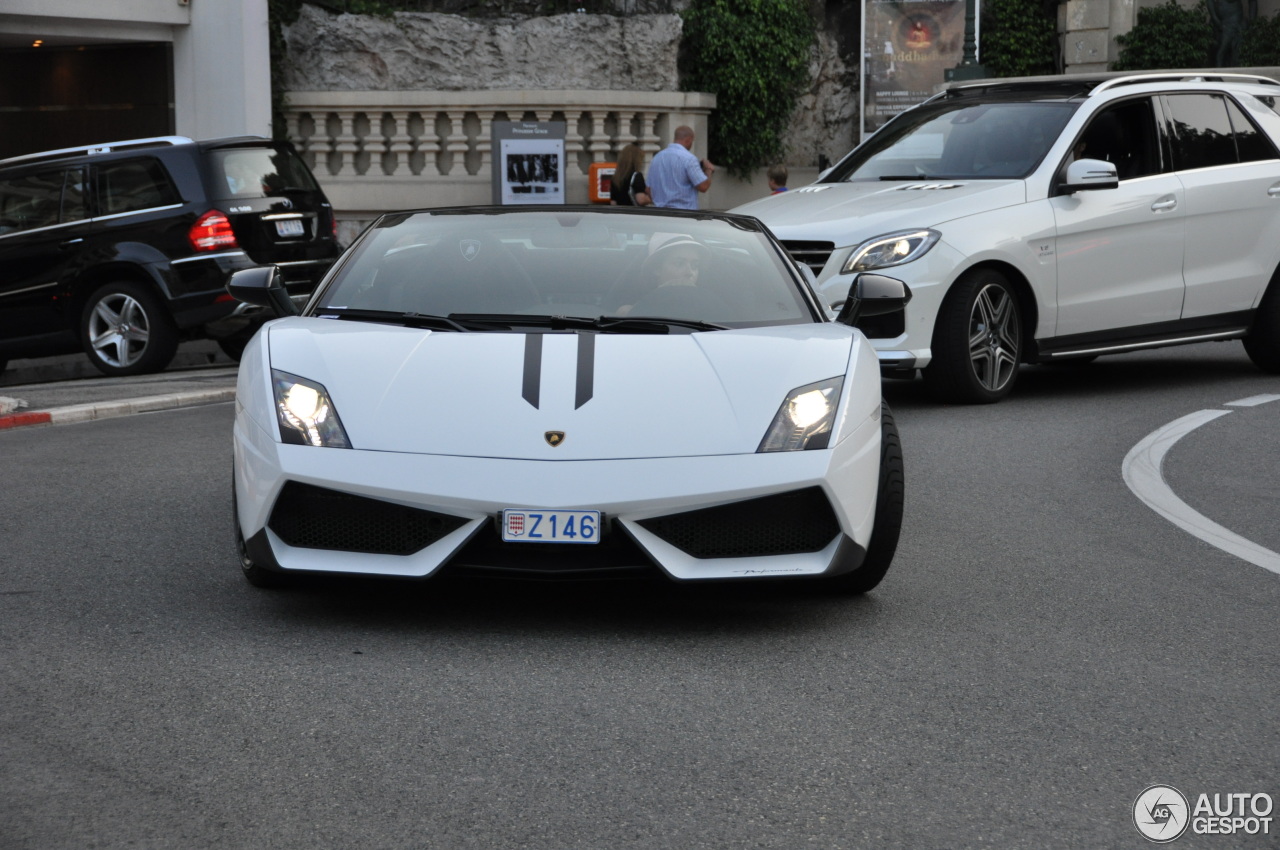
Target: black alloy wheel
x=977 y=341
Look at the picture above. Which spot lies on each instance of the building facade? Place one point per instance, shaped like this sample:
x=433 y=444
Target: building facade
x=76 y=72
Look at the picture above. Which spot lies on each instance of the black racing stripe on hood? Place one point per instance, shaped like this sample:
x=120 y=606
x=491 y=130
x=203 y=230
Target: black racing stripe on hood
x=531 y=389
x=586 y=369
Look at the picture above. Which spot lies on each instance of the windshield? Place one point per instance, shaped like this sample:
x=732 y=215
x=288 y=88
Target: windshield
x=482 y=268
x=958 y=139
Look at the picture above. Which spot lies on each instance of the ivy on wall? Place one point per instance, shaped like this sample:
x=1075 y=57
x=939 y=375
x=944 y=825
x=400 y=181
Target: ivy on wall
x=1019 y=37
x=1261 y=44
x=754 y=56
x=1167 y=36
x=1171 y=36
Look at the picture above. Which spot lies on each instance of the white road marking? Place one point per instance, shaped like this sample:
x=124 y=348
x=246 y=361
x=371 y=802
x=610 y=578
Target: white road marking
x=1143 y=473
x=1253 y=401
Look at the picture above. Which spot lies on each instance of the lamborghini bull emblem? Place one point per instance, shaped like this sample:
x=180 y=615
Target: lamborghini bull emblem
x=470 y=248
x=554 y=438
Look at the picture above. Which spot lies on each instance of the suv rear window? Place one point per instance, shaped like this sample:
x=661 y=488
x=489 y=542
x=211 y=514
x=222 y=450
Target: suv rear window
x=258 y=172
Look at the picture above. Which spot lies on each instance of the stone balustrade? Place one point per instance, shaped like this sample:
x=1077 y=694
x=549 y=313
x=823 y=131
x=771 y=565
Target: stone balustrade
x=388 y=150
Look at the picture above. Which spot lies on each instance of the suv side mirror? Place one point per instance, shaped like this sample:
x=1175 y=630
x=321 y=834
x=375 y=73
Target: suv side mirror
x=1086 y=174
x=262 y=286
x=873 y=295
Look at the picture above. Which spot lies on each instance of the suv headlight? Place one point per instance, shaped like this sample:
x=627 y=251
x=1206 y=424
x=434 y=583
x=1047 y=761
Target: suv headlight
x=892 y=249
x=305 y=413
x=805 y=419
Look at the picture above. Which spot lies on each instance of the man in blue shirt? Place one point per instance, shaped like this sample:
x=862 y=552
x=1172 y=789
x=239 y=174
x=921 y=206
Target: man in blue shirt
x=676 y=176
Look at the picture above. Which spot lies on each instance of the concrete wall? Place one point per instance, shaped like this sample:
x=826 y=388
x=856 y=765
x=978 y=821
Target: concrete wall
x=439 y=52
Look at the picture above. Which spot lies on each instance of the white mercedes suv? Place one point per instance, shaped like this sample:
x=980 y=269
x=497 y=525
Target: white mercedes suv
x=1059 y=219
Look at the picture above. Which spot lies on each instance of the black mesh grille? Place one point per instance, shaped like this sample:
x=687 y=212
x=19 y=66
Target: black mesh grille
x=317 y=518
x=812 y=254
x=785 y=524
x=615 y=556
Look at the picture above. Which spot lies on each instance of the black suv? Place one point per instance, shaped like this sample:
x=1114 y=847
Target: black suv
x=122 y=250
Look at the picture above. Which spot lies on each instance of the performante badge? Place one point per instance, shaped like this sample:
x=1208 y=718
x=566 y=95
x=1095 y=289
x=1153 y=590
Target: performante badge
x=470 y=248
x=554 y=438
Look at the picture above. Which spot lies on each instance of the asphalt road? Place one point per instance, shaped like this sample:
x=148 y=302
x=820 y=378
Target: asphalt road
x=1045 y=647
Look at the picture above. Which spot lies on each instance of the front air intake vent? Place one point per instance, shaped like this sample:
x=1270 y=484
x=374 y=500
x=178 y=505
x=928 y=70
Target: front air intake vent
x=311 y=517
x=783 y=524
x=812 y=254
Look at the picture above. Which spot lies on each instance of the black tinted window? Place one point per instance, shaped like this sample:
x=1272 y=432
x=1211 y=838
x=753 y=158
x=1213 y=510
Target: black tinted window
x=1202 y=135
x=1124 y=135
x=1251 y=144
x=257 y=172
x=75 y=195
x=136 y=184
x=42 y=199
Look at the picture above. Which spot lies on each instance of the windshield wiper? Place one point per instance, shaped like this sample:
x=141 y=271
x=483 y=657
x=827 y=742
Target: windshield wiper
x=605 y=324
x=409 y=319
x=637 y=323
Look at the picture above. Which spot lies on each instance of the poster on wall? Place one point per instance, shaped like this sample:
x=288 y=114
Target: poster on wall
x=529 y=162
x=907 y=47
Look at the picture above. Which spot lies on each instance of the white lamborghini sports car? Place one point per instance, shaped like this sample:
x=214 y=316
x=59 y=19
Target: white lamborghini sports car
x=565 y=392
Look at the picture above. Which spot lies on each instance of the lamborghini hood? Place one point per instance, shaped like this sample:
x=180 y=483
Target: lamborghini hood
x=507 y=395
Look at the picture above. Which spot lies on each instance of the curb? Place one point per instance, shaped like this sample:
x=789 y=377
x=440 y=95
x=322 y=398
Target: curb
x=111 y=409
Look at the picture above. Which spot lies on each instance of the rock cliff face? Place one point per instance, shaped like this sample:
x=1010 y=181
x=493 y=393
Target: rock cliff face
x=429 y=51
x=825 y=121
x=441 y=52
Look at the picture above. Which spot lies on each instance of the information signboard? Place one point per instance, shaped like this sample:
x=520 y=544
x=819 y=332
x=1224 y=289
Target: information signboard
x=528 y=162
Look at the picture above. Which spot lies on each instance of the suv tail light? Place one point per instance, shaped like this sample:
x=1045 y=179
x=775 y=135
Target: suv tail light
x=211 y=232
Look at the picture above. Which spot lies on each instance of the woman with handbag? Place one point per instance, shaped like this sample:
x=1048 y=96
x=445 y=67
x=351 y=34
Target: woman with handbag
x=627 y=188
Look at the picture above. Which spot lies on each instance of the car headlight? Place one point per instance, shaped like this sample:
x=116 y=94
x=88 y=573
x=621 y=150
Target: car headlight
x=892 y=249
x=306 y=414
x=805 y=419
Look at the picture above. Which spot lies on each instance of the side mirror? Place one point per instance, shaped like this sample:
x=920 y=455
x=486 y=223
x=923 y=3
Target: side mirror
x=873 y=295
x=262 y=286
x=1087 y=174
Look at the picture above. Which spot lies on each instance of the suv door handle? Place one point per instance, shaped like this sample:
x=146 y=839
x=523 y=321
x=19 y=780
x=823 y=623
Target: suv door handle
x=1274 y=191
x=1162 y=205
x=69 y=243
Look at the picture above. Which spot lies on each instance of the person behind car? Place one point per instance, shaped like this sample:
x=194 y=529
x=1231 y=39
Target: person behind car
x=676 y=176
x=627 y=188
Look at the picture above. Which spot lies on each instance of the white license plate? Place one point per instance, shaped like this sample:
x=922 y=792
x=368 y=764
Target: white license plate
x=290 y=227
x=551 y=526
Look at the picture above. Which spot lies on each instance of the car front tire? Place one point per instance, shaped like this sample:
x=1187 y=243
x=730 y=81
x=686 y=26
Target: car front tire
x=977 y=341
x=126 y=330
x=886 y=527
x=254 y=574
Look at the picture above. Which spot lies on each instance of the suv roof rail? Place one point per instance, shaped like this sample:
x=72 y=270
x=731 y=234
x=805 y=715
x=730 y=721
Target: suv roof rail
x=1184 y=77
x=1067 y=87
x=106 y=147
